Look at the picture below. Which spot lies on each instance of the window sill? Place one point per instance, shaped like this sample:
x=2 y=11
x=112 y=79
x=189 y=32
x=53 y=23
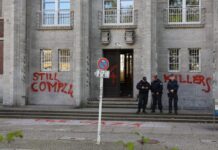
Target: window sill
x=103 y=27
x=173 y=71
x=199 y=25
x=197 y=71
x=64 y=71
x=55 y=27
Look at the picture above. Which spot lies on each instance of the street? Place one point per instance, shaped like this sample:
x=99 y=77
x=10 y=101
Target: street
x=44 y=134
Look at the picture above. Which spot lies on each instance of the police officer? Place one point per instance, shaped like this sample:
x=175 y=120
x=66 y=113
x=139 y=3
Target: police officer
x=172 y=88
x=157 y=91
x=143 y=86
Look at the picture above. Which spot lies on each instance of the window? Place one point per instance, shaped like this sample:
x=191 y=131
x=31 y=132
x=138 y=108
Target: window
x=194 y=59
x=64 y=59
x=2 y=40
x=56 y=12
x=174 y=59
x=1 y=56
x=1 y=8
x=118 y=11
x=184 y=11
x=46 y=60
x=1 y=28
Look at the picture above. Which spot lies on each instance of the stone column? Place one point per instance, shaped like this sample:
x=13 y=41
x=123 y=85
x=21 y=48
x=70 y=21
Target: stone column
x=14 y=93
x=215 y=37
x=147 y=40
x=85 y=51
x=146 y=31
x=77 y=76
x=154 y=54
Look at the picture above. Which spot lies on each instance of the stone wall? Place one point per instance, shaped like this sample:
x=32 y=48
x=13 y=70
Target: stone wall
x=24 y=39
x=191 y=94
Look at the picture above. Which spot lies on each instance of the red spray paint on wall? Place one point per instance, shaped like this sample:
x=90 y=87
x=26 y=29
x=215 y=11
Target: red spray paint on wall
x=48 y=82
x=192 y=79
x=113 y=74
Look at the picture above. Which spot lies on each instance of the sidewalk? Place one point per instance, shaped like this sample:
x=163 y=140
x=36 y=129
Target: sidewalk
x=74 y=145
x=46 y=134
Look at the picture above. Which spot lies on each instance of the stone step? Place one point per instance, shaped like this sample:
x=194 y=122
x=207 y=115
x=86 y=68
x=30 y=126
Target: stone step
x=115 y=102
x=114 y=111
x=112 y=115
x=118 y=99
x=91 y=114
x=113 y=106
x=116 y=114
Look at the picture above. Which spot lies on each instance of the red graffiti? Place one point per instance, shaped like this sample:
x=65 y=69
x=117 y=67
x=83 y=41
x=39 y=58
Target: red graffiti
x=114 y=123
x=93 y=123
x=51 y=121
x=195 y=79
x=117 y=123
x=44 y=76
x=48 y=82
x=138 y=125
x=113 y=74
x=208 y=80
x=90 y=122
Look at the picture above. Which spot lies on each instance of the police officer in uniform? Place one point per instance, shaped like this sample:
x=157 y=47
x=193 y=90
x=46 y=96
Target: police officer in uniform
x=143 y=86
x=157 y=91
x=172 y=88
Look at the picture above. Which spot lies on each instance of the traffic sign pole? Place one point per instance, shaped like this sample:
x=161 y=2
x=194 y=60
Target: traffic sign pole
x=100 y=110
x=103 y=65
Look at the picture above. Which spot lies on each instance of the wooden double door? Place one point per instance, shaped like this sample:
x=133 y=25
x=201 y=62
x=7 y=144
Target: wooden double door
x=120 y=83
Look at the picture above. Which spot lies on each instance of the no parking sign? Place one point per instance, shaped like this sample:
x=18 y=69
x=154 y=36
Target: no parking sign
x=102 y=71
x=103 y=64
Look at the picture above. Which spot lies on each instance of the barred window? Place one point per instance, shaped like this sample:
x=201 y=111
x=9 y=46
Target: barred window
x=1 y=56
x=173 y=59
x=184 y=11
x=46 y=60
x=118 y=11
x=64 y=59
x=194 y=59
x=1 y=8
x=56 y=12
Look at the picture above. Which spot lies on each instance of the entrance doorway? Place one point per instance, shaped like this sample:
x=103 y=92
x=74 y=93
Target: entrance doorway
x=120 y=83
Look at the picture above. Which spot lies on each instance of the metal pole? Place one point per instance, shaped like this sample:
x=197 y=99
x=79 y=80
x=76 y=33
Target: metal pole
x=214 y=115
x=100 y=109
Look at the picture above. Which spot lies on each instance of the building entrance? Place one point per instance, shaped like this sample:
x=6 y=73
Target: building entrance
x=120 y=83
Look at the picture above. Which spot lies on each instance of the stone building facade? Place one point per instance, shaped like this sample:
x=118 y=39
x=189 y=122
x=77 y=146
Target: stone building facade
x=51 y=48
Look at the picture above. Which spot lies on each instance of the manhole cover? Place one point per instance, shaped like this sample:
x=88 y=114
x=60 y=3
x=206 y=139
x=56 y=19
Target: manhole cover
x=72 y=138
x=149 y=141
x=207 y=141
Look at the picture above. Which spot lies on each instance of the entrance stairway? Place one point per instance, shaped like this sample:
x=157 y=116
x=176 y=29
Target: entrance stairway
x=112 y=114
x=115 y=103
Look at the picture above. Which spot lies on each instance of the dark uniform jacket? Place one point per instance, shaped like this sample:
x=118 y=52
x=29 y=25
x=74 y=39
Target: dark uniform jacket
x=173 y=85
x=144 y=84
x=157 y=86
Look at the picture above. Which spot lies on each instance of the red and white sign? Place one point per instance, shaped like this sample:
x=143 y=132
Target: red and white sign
x=103 y=64
x=102 y=74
